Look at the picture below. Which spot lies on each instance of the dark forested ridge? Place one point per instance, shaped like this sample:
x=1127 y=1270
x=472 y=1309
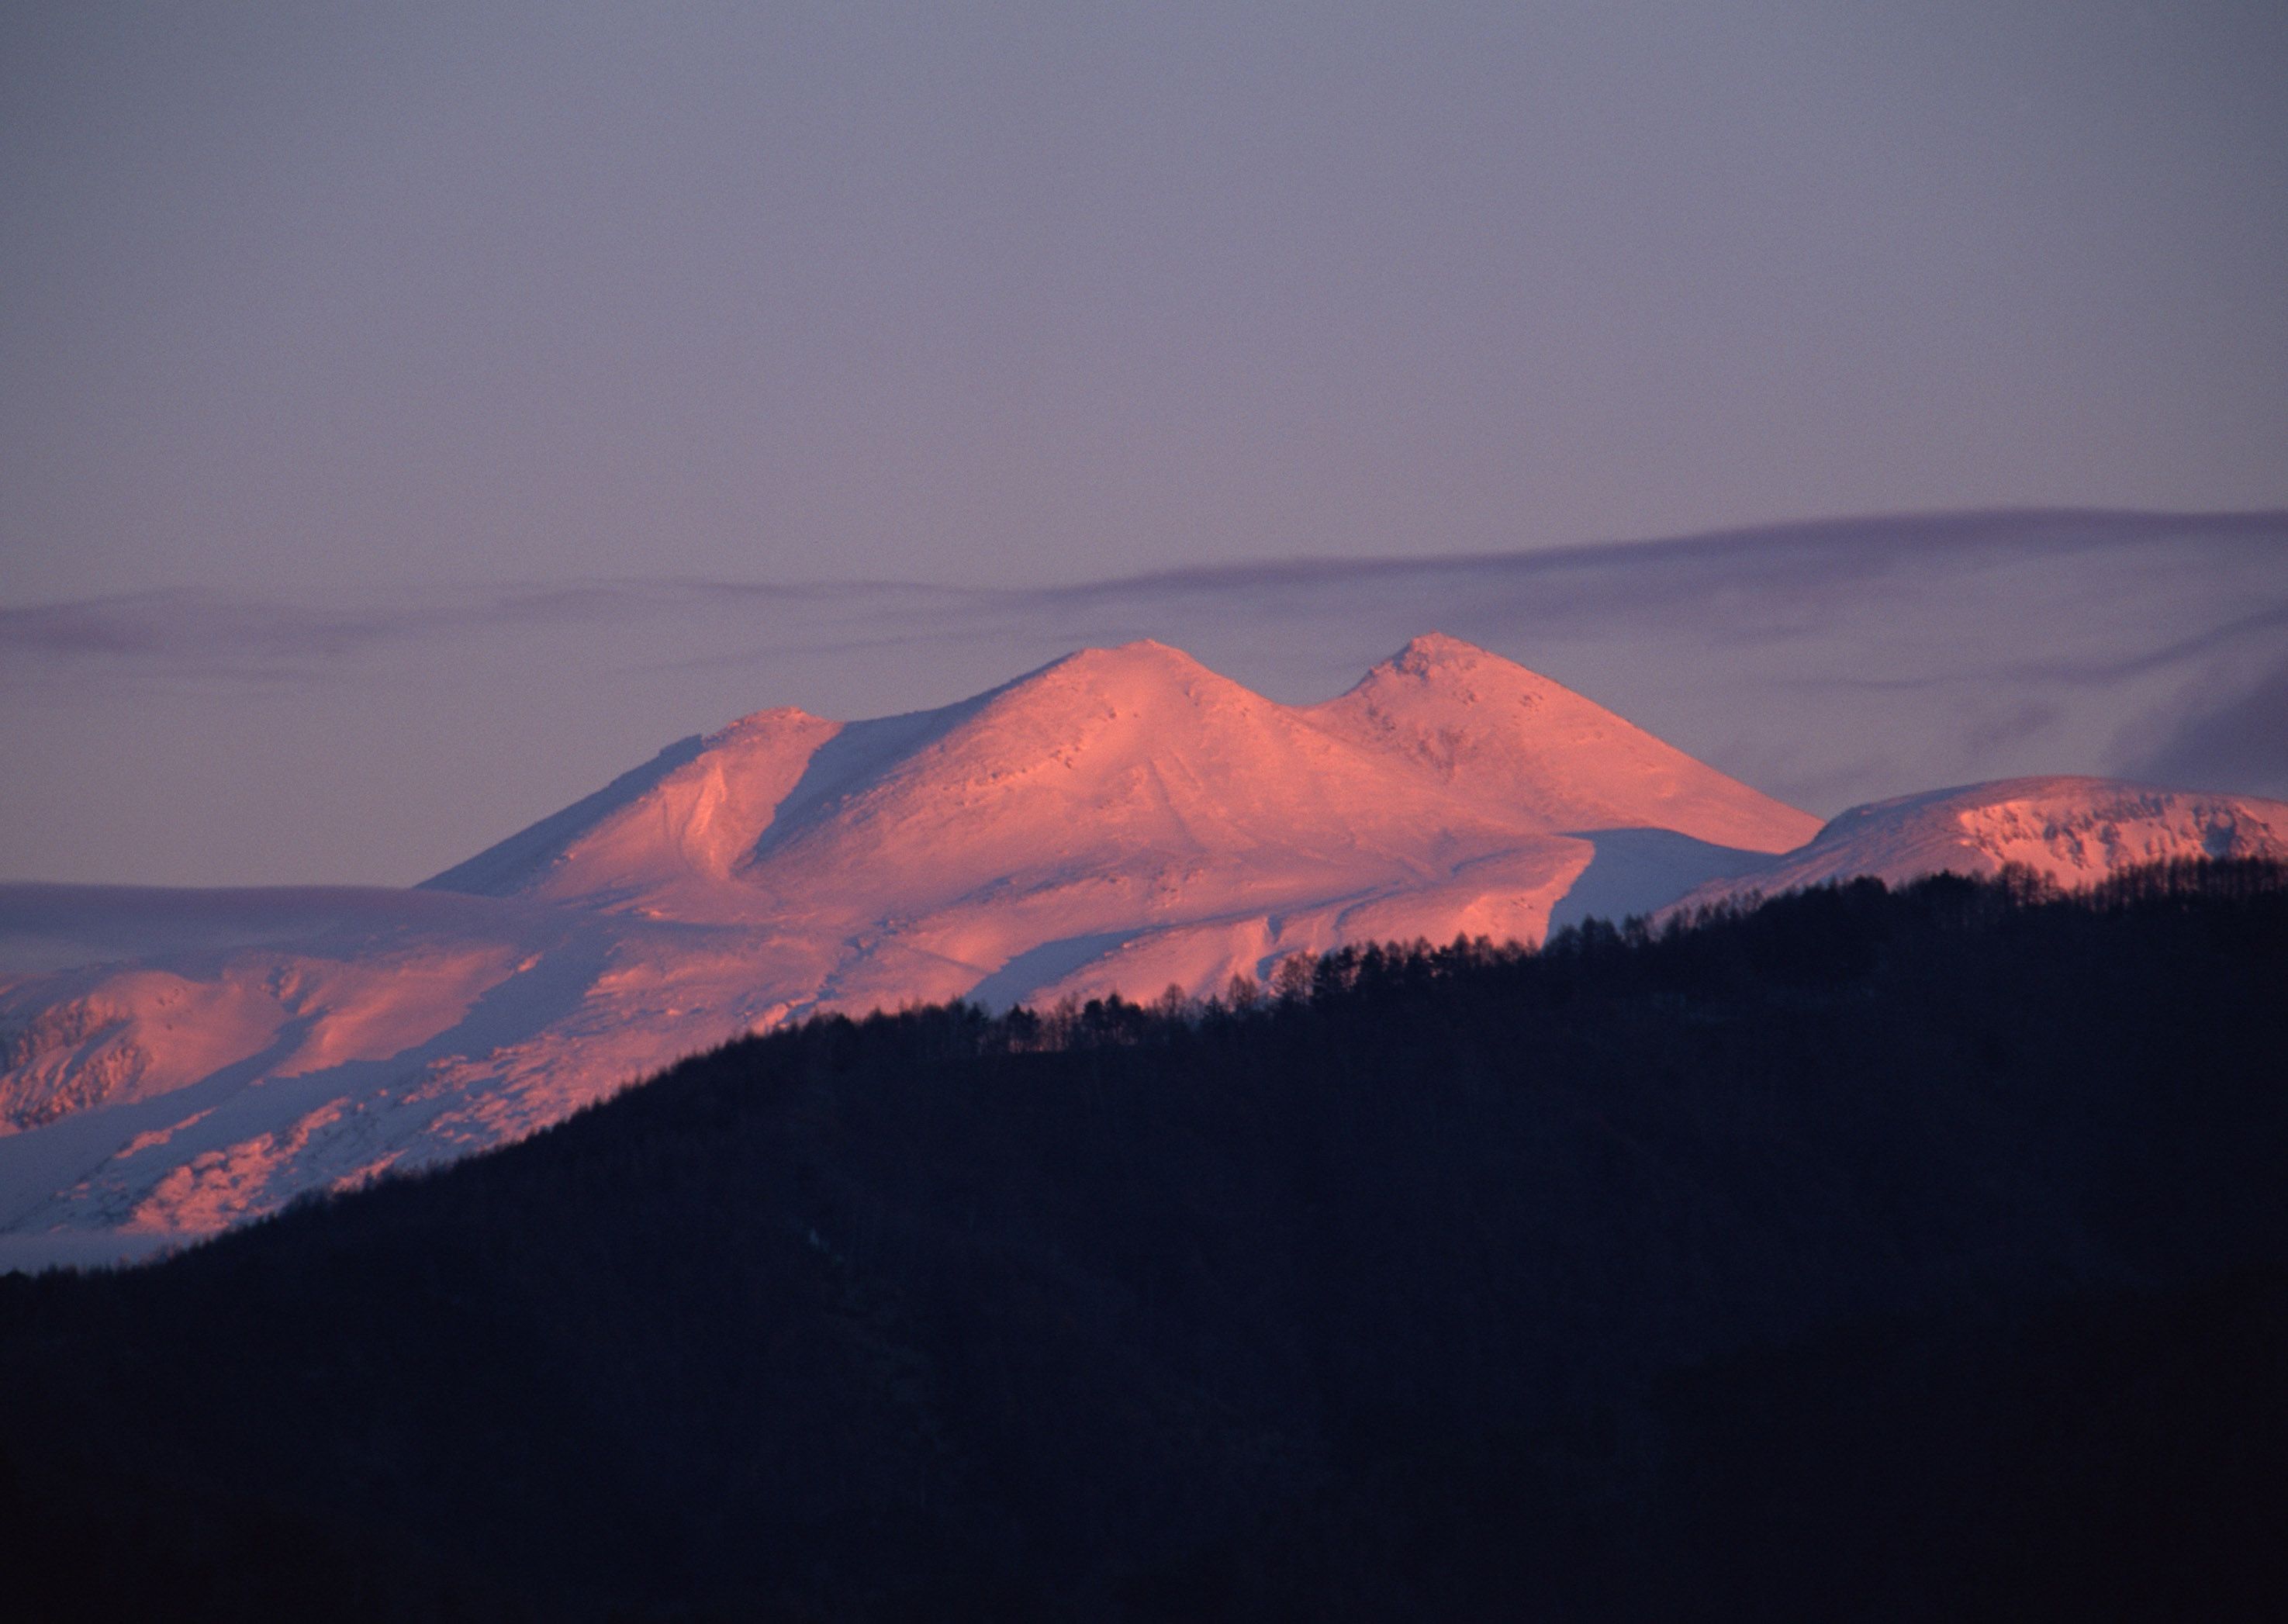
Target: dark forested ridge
x=1866 y=1255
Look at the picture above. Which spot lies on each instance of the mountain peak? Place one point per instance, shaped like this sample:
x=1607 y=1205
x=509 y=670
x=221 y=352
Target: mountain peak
x=1144 y=659
x=1495 y=732
x=1434 y=651
x=1446 y=671
x=1128 y=767
x=1121 y=817
x=1145 y=681
x=774 y=719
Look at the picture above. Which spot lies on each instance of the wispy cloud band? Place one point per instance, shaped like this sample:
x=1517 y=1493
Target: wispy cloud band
x=1827 y=662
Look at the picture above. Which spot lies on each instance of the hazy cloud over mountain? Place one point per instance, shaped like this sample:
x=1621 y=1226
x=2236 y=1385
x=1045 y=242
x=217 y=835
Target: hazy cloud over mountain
x=1825 y=663
x=2245 y=736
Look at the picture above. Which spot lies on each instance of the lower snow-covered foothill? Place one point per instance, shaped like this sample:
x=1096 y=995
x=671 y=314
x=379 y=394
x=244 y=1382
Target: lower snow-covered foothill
x=2073 y=831
x=173 y=1086
x=1125 y=819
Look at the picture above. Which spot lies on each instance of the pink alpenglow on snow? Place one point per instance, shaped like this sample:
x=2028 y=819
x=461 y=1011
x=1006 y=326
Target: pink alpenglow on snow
x=1121 y=820
x=2075 y=831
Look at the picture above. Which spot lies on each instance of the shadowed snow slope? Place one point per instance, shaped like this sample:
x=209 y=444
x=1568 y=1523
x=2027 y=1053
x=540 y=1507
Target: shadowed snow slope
x=1122 y=819
x=2075 y=830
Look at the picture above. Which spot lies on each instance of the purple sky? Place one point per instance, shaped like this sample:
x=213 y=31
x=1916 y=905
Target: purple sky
x=316 y=320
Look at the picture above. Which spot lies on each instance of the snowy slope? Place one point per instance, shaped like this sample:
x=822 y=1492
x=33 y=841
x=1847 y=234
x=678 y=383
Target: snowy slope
x=1125 y=819
x=1132 y=793
x=2075 y=830
x=173 y=1062
x=158 y=1096
x=1490 y=731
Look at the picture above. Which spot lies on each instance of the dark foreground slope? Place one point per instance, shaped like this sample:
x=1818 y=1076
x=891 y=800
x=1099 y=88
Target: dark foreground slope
x=1870 y=1254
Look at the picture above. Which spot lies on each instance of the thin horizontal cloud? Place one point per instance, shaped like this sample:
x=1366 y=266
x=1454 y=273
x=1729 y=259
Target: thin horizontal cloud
x=1777 y=570
x=194 y=634
x=2263 y=629
x=1794 y=578
x=1827 y=664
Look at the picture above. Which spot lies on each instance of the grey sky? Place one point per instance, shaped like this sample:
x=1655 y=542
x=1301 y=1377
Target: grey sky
x=303 y=295
x=402 y=406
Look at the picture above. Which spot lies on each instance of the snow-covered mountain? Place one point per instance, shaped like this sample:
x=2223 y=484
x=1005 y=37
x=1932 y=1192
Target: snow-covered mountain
x=173 y=1062
x=2075 y=830
x=1128 y=817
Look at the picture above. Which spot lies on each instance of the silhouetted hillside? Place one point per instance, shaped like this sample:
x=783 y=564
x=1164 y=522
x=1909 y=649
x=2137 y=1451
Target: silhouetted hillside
x=1868 y=1253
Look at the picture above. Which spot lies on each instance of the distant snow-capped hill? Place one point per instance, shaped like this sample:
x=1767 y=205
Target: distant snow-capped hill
x=172 y=1063
x=2074 y=830
x=1117 y=759
x=1128 y=817
x=1122 y=819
